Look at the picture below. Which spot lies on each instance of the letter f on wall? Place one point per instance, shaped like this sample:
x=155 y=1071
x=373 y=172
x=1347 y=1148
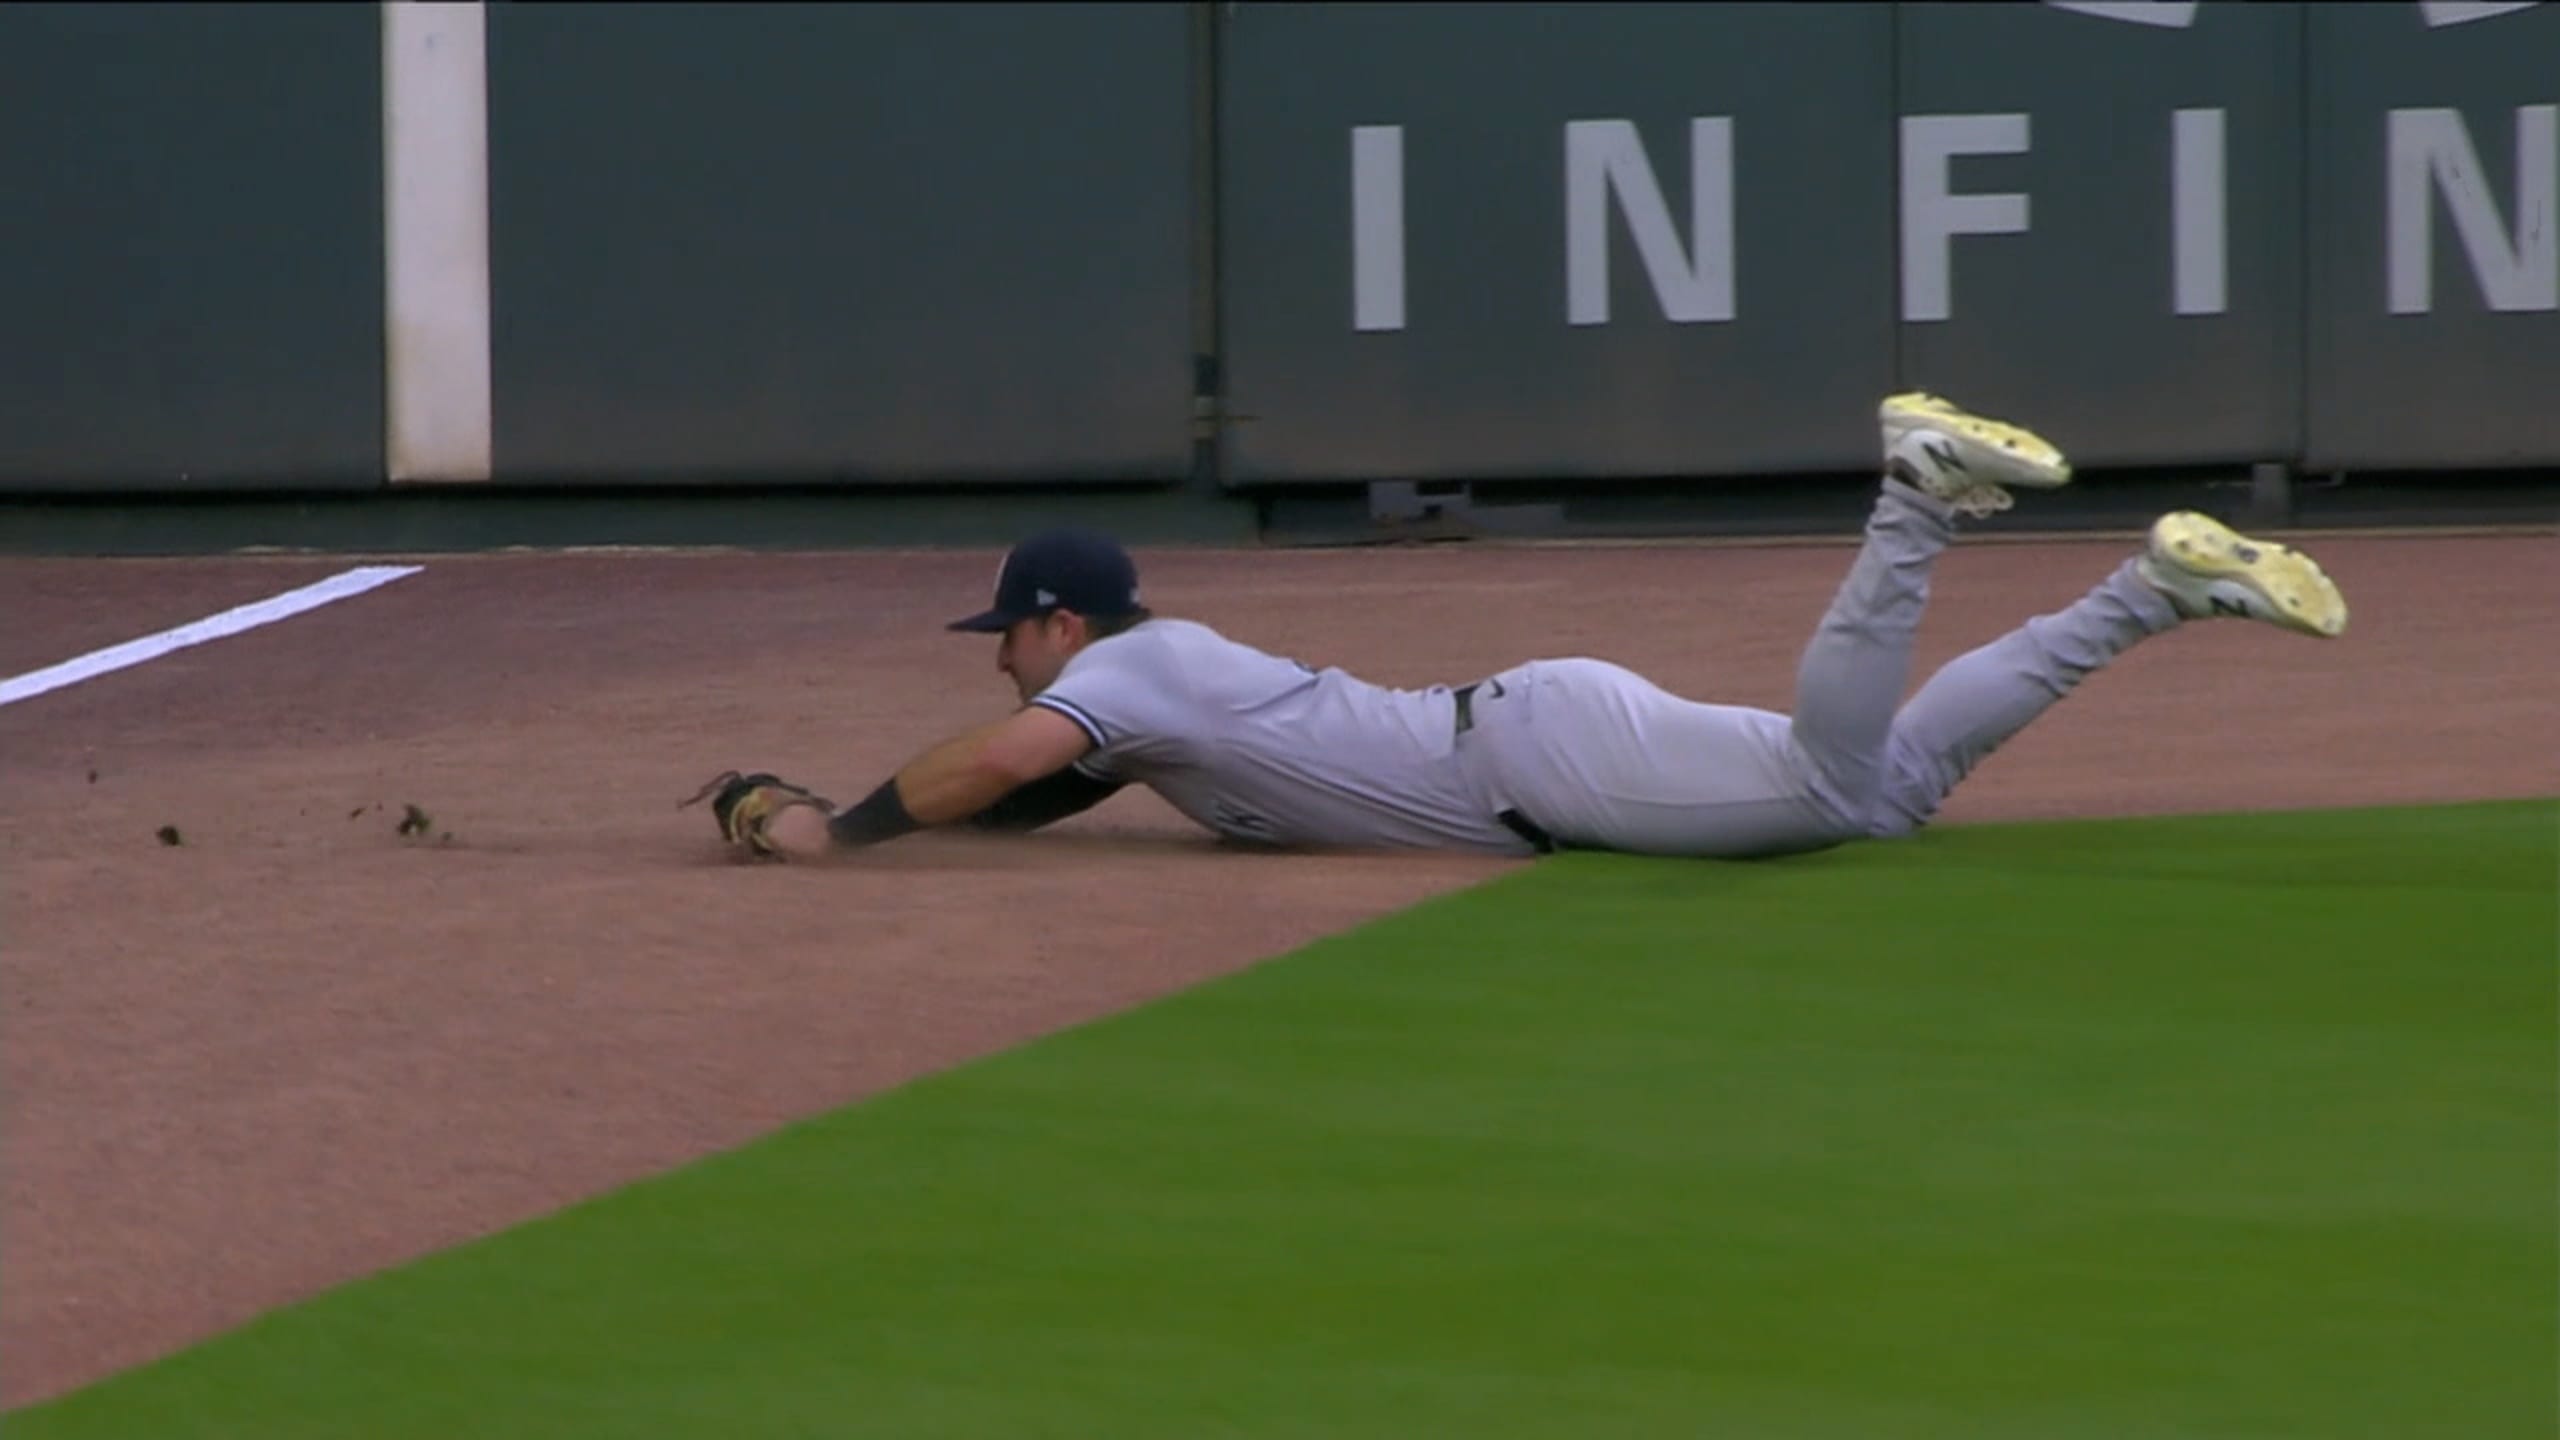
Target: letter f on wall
x=1933 y=214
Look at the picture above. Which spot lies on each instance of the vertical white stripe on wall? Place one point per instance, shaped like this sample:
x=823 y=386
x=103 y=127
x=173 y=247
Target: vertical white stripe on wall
x=2200 y=267
x=1377 y=227
x=435 y=191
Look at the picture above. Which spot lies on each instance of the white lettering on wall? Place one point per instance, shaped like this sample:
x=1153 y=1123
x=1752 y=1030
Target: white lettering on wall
x=2167 y=14
x=1605 y=156
x=1377 y=227
x=2440 y=13
x=2179 y=14
x=2199 y=279
x=1932 y=214
x=2518 y=269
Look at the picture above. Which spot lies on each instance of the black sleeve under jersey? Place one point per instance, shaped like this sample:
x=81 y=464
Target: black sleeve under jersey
x=1071 y=791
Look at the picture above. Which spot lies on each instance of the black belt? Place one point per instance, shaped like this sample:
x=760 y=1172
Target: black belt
x=1527 y=829
x=1512 y=820
x=1465 y=699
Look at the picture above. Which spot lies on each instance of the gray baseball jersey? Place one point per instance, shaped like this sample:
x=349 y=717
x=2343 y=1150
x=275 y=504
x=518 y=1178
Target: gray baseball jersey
x=1260 y=748
x=1263 y=749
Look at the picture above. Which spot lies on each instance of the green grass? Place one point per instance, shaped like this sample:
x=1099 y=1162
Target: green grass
x=2229 y=1127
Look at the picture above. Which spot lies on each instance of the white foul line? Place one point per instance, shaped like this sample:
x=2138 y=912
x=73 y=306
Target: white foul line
x=212 y=627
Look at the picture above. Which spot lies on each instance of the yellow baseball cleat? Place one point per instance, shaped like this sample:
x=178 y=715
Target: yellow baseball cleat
x=2208 y=569
x=1962 y=458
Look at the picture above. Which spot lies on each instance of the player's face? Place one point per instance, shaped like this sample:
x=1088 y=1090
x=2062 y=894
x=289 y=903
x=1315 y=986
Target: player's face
x=1034 y=651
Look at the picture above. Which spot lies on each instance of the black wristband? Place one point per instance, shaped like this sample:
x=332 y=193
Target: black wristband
x=880 y=816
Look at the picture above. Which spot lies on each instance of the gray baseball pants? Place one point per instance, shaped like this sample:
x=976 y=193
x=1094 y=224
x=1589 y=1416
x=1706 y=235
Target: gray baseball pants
x=1603 y=758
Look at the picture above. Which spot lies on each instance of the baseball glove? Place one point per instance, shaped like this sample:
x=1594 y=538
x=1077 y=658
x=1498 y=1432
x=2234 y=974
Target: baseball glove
x=744 y=803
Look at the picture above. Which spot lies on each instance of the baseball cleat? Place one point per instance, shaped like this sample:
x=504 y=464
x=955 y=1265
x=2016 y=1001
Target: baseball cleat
x=1964 y=459
x=2208 y=569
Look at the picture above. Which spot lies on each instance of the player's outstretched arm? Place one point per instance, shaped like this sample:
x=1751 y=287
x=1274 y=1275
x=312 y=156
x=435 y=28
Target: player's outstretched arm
x=1045 y=802
x=955 y=781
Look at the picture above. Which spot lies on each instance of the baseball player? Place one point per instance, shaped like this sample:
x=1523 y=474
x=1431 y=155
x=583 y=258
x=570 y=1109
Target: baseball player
x=1558 y=753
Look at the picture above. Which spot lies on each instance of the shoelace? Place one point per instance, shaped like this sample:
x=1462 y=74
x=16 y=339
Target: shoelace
x=1982 y=500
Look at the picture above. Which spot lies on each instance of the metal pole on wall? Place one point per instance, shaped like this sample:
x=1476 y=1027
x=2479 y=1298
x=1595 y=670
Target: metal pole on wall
x=435 y=215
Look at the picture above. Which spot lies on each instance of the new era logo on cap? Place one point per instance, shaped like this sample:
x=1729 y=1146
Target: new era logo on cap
x=1073 y=569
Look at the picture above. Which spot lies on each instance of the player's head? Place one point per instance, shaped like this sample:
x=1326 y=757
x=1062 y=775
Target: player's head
x=1058 y=591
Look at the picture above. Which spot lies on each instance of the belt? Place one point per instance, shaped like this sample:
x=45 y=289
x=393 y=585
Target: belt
x=1528 y=829
x=1465 y=698
x=1512 y=820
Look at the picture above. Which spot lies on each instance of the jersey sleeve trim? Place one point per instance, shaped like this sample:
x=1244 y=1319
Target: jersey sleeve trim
x=1084 y=722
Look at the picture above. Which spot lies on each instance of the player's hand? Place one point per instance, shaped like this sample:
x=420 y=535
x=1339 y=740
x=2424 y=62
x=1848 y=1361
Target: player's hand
x=798 y=832
x=765 y=817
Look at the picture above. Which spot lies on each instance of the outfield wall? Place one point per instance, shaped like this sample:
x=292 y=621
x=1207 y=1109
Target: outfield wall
x=1248 y=247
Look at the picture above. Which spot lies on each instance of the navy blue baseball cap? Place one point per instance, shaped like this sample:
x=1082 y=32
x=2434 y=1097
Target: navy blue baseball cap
x=1063 y=569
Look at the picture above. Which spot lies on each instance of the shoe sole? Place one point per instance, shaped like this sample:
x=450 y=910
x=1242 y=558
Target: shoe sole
x=2299 y=595
x=2022 y=456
